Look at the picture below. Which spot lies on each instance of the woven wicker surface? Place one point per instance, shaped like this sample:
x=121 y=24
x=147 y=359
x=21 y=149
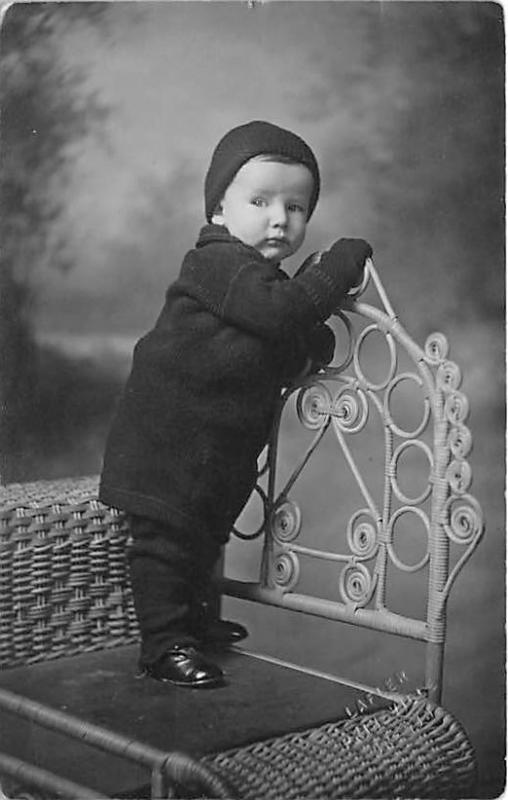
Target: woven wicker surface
x=63 y=579
x=414 y=749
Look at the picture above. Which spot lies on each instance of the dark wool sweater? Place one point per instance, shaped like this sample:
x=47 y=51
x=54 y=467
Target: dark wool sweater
x=199 y=403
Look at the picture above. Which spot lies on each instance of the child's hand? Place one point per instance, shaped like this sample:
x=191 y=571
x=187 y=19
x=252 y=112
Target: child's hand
x=329 y=277
x=345 y=261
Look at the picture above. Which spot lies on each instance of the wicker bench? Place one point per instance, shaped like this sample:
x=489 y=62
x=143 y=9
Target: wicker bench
x=65 y=600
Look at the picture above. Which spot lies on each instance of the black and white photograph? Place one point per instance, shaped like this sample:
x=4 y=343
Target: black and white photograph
x=252 y=399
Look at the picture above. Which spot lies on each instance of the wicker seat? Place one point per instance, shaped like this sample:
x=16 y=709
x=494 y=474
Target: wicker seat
x=413 y=749
x=64 y=589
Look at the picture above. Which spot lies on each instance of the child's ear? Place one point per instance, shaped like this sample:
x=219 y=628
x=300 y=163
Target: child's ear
x=218 y=215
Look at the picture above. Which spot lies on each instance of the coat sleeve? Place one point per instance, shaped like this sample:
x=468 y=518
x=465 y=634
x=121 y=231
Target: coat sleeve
x=321 y=346
x=256 y=296
x=259 y=301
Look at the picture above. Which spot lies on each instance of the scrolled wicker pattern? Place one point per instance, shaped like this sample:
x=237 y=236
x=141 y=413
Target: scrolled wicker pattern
x=395 y=509
x=412 y=749
x=63 y=579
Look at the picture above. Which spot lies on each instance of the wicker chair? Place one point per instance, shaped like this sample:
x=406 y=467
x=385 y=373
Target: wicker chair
x=64 y=589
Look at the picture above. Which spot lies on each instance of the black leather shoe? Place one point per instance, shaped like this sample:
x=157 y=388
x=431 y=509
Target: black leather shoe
x=184 y=665
x=223 y=632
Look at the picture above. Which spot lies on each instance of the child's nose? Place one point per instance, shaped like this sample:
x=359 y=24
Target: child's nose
x=279 y=214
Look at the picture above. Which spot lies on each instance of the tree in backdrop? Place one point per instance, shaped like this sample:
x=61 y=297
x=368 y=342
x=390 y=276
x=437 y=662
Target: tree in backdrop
x=44 y=112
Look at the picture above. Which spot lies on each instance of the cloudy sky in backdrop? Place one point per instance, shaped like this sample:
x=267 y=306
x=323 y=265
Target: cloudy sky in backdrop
x=176 y=75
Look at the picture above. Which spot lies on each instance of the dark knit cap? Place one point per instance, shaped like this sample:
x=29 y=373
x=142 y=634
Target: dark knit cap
x=243 y=143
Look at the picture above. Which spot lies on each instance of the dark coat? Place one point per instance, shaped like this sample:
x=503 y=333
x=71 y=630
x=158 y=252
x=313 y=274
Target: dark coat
x=199 y=403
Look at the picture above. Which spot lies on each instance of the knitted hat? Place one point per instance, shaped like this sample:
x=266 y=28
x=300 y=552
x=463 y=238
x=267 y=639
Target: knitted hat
x=243 y=143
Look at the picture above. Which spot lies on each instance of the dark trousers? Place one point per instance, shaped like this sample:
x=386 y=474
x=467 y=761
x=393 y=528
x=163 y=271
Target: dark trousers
x=170 y=571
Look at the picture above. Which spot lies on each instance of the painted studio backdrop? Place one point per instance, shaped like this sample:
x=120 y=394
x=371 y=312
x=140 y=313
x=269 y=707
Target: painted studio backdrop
x=110 y=112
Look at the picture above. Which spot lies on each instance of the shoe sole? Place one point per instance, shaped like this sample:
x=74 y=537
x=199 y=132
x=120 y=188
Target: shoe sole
x=207 y=684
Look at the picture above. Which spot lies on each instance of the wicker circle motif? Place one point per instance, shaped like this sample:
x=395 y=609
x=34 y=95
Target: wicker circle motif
x=448 y=376
x=405 y=376
x=459 y=476
x=406 y=445
x=456 y=408
x=436 y=347
x=392 y=353
x=286 y=571
x=463 y=519
x=313 y=406
x=350 y=409
x=362 y=537
x=285 y=522
x=391 y=549
x=460 y=441
x=356 y=584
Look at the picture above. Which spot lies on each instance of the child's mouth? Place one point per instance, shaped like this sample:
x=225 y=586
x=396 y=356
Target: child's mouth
x=277 y=242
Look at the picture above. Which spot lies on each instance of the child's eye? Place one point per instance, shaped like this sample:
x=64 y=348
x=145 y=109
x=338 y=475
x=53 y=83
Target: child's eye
x=258 y=201
x=296 y=207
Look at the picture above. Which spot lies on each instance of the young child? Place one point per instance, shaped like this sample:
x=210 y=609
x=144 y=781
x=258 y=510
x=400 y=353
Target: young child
x=198 y=407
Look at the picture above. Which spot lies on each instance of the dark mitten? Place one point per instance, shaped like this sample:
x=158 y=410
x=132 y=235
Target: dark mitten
x=327 y=279
x=345 y=262
x=321 y=346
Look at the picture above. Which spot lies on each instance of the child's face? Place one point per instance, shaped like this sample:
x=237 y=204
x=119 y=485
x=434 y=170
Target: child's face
x=266 y=206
